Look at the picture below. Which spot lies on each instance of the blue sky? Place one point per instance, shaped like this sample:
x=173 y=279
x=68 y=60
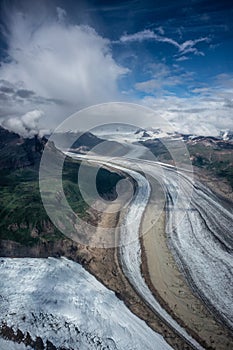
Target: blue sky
x=173 y=56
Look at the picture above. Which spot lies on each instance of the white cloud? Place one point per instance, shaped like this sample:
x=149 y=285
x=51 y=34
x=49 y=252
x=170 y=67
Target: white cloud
x=61 y=14
x=162 y=76
x=203 y=90
x=145 y=35
x=26 y=125
x=157 y=84
x=149 y=85
x=201 y=115
x=187 y=46
x=67 y=67
x=160 y=30
x=203 y=109
x=224 y=81
x=182 y=58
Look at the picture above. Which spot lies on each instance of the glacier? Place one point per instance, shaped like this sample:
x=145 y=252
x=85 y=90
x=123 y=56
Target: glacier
x=59 y=301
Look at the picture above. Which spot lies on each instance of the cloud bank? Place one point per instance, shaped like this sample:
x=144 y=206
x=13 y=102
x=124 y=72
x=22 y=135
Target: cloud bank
x=204 y=114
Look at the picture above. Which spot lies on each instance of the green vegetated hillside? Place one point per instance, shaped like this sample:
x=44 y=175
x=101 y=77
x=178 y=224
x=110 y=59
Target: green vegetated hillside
x=22 y=215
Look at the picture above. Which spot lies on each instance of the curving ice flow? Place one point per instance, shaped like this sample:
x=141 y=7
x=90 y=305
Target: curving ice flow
x=199 y=230
x=203 y=244
x=59 y=301
x=130 y=256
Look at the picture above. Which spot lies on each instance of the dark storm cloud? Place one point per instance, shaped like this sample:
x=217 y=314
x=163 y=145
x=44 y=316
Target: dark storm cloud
x=23 y=93
x=10 y=93
x=6 y=89
x=4 y=97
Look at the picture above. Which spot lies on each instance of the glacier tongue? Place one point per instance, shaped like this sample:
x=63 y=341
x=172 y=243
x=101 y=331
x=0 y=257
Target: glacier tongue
x=59 y=301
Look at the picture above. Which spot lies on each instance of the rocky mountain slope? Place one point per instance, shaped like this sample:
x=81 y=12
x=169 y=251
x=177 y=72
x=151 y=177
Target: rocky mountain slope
x=212 y=154
x=23 y=218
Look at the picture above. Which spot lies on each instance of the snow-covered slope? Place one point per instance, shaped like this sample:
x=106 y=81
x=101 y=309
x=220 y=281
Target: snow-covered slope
x=10 y=345
x=59 y=301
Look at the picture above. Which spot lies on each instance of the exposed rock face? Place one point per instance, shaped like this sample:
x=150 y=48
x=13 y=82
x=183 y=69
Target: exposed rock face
x=227 y=135
x=7 y=137
x=209 y=141
x=18 y=337
x=138 y=131
x=62 y=247
x=17 y=152
x=145 y=134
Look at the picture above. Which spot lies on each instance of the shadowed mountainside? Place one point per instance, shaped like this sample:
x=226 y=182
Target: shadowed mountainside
x=23 y=218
